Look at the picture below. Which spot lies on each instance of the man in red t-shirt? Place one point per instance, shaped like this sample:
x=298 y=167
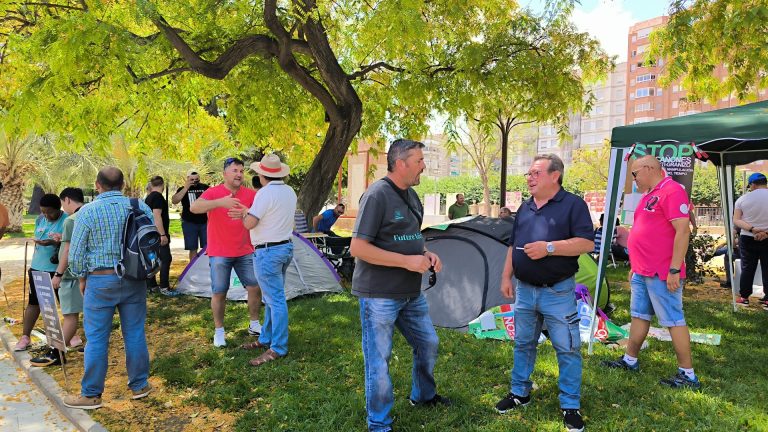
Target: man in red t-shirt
x=657 y=245
x=229 y=245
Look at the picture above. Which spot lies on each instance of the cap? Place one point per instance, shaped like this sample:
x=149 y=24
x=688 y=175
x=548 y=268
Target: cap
x=756 y=177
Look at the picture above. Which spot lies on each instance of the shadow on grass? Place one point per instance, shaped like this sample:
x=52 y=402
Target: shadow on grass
x=319 y=385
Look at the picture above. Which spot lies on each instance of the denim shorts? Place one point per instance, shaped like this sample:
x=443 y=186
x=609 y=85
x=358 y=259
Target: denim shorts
x=192 y=233
x=650 y=296
x=221 y=269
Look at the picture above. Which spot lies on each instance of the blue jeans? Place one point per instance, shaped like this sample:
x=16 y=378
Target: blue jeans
x=378 y=318
x=270 y=265
x=555 y=306
x=104 y=293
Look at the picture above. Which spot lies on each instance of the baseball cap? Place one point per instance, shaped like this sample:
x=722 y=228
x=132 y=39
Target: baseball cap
x=756 y=177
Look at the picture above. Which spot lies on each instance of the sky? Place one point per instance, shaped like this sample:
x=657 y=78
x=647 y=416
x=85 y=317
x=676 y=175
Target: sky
x=609 y=20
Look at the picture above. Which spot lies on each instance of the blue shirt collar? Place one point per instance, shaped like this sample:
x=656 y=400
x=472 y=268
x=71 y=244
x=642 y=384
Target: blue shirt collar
x=558 y=197
x=108 y=194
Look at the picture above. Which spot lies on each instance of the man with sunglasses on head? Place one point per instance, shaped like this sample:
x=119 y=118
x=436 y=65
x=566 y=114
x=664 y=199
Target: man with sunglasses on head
x=391 y=258
x=657 y=244
x=229 y=245
x=194 y=226
x=551 y=230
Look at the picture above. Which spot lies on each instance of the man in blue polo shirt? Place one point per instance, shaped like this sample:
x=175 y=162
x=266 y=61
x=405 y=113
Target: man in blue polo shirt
x=550 y=231
x=323 y=222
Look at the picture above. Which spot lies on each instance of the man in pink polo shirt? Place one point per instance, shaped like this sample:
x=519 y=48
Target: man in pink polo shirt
x=229 y=245
x=657 y=244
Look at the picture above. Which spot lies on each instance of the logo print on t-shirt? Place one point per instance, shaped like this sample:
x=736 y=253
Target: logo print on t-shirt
x=684 y=208
x=398 y=215
x=650 y=205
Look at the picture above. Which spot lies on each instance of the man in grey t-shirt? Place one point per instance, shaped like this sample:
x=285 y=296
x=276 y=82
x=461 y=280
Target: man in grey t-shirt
x=391 y=258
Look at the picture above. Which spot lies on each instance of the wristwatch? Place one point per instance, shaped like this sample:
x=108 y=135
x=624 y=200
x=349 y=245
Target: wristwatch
x=550 y=248
x=674 y=271
x=57 y=274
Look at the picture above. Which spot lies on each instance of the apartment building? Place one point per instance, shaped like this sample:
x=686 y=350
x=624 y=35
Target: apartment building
x=646 y=99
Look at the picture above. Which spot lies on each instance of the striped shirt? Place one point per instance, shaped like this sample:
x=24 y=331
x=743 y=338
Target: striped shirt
x=99 y=228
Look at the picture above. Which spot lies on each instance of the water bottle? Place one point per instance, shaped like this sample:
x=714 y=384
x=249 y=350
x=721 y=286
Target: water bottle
x=585 y=321
x=10 y=320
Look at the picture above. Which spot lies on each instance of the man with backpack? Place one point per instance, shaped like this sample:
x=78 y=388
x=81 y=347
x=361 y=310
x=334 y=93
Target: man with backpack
x=96 y=253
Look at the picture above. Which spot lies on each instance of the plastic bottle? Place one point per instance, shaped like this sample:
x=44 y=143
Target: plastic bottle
x=10 y=320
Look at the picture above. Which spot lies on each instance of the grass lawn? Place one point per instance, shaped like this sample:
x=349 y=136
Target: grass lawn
x=319 y=385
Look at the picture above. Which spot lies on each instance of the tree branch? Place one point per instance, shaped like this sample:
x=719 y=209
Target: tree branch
x=372 y=67
x=291 y=66
x=53 y=5
x=169 y=71
x=262 y=45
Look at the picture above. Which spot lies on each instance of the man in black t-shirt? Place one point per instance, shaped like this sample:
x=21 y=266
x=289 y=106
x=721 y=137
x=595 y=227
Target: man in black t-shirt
x=193 y=225
x=391 y=258
x=159 y=206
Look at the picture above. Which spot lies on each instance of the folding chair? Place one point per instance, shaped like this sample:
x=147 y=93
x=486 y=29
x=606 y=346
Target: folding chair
x=336 y=250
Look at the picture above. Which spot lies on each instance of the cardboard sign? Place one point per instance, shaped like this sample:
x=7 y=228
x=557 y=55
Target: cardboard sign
x=48 y=309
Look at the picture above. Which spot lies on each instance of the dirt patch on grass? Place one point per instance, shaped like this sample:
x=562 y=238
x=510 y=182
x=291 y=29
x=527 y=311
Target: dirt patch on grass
x=167 y=408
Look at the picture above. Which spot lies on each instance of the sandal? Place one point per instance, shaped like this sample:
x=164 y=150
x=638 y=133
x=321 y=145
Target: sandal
x=254 y=345
x=268 y=356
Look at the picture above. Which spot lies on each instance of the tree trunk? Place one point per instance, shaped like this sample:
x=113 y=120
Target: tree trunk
x=13 y=198
x=34 y=202
x=486 y=193
x=504 y=163
x=325 y=167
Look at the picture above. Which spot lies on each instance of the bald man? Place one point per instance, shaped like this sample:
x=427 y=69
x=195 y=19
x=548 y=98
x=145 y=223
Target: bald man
x=93 y=255
x=657 y=244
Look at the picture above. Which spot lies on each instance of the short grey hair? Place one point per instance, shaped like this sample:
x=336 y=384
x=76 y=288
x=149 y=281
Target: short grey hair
x=399 y=149
x=556 y=164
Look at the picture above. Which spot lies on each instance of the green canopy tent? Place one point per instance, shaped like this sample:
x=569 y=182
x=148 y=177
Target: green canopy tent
x=726 y=137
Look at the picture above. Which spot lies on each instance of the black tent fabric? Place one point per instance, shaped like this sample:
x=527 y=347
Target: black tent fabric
x=473 y=254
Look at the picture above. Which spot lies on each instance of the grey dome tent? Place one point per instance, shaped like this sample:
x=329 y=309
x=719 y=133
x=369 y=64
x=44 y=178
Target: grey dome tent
x=308 y=273
x=473 y=254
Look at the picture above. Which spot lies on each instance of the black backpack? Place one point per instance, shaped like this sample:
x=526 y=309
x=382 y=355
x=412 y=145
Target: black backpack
x=138 y=246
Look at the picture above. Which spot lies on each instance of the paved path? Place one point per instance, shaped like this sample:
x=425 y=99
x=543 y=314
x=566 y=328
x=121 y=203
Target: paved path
x=23 y=407
x=12 y=256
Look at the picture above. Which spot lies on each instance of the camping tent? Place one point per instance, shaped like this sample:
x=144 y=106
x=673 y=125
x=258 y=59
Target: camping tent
x=727 y=137
x=473 y=253
x=308 y=273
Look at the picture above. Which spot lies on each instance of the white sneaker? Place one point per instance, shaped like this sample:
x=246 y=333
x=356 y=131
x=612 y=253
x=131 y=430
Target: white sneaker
x=219 y=340
x=254 y=331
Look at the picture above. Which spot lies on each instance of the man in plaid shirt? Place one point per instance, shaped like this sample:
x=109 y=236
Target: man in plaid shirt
x=94 y=252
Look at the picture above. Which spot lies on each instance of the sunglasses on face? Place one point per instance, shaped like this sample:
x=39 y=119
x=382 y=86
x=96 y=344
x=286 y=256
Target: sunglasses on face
x=634 y=173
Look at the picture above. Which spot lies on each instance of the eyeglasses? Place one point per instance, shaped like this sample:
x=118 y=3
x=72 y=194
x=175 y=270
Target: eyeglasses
x=634 y=173
x=532 y=174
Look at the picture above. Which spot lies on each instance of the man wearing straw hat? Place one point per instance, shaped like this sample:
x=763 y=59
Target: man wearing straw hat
x=270 y=220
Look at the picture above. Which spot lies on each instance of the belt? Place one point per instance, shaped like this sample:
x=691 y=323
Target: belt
x=103 y=272
x=270 y=244
x=546 y=285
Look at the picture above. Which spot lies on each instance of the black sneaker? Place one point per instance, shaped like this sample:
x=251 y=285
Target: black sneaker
x=50 y=358
x=681 y=380
x=511 y=402
x=572 y=420
x=621 y=364
x=435 y=401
